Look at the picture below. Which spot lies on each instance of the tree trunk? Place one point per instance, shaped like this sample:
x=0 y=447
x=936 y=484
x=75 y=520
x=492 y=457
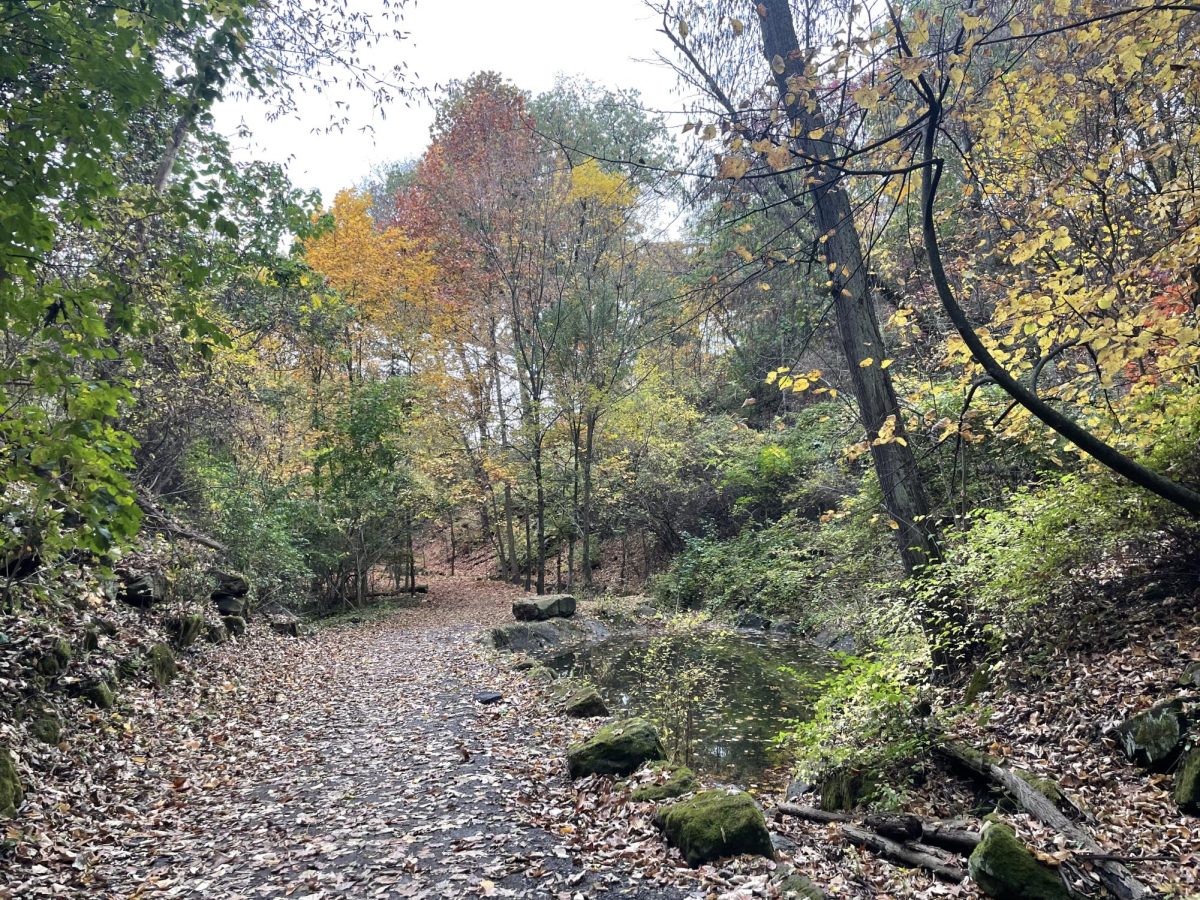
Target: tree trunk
x=585 y=524
x=904 y=495
x=453 y=548
x=528 y=555
x=854 y=308
x=541 y=517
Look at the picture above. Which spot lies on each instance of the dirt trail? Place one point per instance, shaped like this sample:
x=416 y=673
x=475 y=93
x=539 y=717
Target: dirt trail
x=372 y=772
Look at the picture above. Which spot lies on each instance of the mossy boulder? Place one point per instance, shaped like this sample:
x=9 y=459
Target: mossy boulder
x=794 y=886
x=715 y=824
x=235 y=625
x=184 y=630
x=617 y=749
x=846 y=788
x=216 y=633
x=1154 y=739
x=11 y=791
x=541 y=674
x=1187 y=783
x=579 y=700
x=46 y=728
x=98 y=693
x=161 y=662
x=680 y=780
x=538 y=609
x=1006 y=869
x=55 y=658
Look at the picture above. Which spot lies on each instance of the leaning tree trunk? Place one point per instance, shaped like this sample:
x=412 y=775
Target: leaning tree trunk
x=857 y=323
x=858 y=331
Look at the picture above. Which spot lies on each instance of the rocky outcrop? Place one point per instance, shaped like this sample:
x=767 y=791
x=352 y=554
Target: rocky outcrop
x=184 y=629
x=142 y=589
x=752 y=620
x=235 y=625
x=1155 y=739
x=231 y=593
x=531 y=637
x=617 y=749
x=715 y=824
x=539 y=609
x=1006 y=869
x=11 y=791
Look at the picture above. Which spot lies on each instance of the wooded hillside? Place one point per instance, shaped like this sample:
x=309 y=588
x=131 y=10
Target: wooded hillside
x=889 y=334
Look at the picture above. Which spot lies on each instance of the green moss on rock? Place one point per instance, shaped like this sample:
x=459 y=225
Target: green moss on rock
x=1187 y=783
x=184 y=630
x=11 y=791
x=235 y=625
x=55 y=659
x=99 y=694
x=617 y=749
x=716 y=824
x=846 y=788
x=579 y=700
x=794 y=886
x=541 y=674
x=46 y=728
x=1154 y=739
x=1006 y=869
x=980 y=682
x=680 y=780
x=162 y=664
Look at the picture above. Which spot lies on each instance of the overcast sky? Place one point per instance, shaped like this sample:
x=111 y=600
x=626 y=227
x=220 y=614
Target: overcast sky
x=528 y=41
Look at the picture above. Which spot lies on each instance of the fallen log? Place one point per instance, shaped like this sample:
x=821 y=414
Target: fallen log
x=948 y=834
x=1118 y=879
x=913 y=856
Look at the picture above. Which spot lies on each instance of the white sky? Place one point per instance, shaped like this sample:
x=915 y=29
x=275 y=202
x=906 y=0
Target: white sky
x=528 y=41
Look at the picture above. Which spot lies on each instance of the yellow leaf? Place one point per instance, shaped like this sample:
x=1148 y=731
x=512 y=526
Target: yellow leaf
x=911 y=67
x=886 y=363
x=777 y=64
x=736 y=25
x=867 y=97
x=733 y=167
x=866 y=363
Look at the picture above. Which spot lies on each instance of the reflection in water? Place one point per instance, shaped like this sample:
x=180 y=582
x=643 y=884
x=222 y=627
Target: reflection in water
x=719 y=696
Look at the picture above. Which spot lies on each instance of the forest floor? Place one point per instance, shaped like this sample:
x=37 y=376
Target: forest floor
x=352 y=763
x=357 y=763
